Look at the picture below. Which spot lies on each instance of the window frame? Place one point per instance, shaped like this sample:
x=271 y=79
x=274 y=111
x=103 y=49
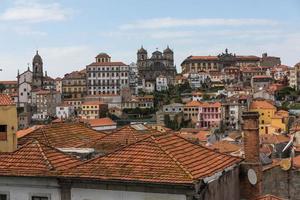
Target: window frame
x=7 y=193
x=41 y=195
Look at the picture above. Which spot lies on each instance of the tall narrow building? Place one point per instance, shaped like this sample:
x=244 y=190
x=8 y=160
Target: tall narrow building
x=37 y=65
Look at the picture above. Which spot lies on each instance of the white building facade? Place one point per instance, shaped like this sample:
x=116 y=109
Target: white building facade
x=161 y=83
x=106 y=77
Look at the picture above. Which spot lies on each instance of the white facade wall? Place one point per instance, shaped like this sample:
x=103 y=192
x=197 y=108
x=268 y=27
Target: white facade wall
x=24 y=92
x=64 y=112
x=93 y=194
x=107 y=79
x=22 y=188
x=25 y=77
x=161 y=83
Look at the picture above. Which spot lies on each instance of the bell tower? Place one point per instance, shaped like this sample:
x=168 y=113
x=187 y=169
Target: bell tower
x=37 y=65
x=142 y=56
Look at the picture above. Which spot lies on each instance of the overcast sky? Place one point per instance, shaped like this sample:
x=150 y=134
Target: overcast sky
x=70 y=33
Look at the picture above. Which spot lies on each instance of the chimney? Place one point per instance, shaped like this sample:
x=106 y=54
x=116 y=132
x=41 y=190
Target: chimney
x=251 y=168
x=251 y=136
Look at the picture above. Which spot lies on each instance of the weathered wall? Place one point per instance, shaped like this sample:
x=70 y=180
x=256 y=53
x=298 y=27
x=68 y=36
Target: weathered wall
x=21 y=188
x=224 y=188
x=97 y=194
x=285 y=184
x=8 y=116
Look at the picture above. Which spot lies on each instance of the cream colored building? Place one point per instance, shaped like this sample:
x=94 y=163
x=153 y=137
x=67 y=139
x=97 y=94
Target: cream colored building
x=8 y=124
x=93 y=110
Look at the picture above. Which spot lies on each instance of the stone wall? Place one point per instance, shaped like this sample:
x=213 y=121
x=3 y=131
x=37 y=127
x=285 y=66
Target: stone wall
x=285 y=184
x=226 y=187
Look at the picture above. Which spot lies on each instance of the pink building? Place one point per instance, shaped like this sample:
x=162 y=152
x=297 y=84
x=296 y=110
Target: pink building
x=209 y=115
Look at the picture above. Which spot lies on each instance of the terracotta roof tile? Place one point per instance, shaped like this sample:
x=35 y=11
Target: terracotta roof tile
x=225 y=147
x=5 y=100
x=261 y=104
x=101 y=122
x=9 y=82
x=120 y=138
x=193 y=104
x=35 y=159
x=22 y=133
x=157 y=159
x=63 y=135
x=273 y=139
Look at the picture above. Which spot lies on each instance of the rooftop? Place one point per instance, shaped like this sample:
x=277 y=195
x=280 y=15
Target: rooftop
x=5 y=100
x=35 y=159
x=107 y=64
x=156 y=159
x=261 y=104
x=62 y=135
x=122 y=137
x=101 y=122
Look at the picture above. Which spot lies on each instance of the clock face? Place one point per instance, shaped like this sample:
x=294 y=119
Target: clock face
x=252 y=177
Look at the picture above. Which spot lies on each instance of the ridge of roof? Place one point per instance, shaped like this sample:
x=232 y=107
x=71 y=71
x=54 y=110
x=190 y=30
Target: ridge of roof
x=47 y=161
x=173 y=158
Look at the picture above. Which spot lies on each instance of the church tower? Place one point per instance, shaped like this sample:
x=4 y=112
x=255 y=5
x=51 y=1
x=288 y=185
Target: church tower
x=142 y=56
x=37 y=65
x=169 y=56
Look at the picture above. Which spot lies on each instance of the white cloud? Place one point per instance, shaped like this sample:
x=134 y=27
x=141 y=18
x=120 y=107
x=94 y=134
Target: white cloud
x=35 y=11
x=172 y=34
x=158 y=23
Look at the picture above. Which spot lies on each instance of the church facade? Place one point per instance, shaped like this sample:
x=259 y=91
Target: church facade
x=160 y=63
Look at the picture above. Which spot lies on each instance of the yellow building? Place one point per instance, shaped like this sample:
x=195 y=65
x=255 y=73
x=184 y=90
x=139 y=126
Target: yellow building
x=8 y=124
x=279 y=122
x=93 y=110
x=270 y=120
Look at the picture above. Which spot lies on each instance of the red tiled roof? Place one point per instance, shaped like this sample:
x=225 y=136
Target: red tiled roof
x=9 y=82
x=211 y=58
x=121 y=138
x=101 y=122
x=261 y=104
x=273 y=139
x=5 y=100
x=22 y=133
x=108 y=64
x=225 y=147
x=75 y=75
x=62 y=135
x=157 y=159
x=35 y=159
x=193 y=104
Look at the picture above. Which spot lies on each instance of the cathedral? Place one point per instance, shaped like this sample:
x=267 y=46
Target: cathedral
x=160 y=63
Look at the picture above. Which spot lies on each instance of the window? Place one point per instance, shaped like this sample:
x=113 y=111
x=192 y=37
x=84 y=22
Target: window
x=3 y=132
x=4 y=196
x=40 y=198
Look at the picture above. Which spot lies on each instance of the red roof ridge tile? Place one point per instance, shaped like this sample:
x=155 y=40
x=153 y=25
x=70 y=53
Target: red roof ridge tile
x=47 y=161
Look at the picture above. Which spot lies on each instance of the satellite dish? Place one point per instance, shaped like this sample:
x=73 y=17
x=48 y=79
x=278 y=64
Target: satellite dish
x=285 y=164
x=252 y=177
